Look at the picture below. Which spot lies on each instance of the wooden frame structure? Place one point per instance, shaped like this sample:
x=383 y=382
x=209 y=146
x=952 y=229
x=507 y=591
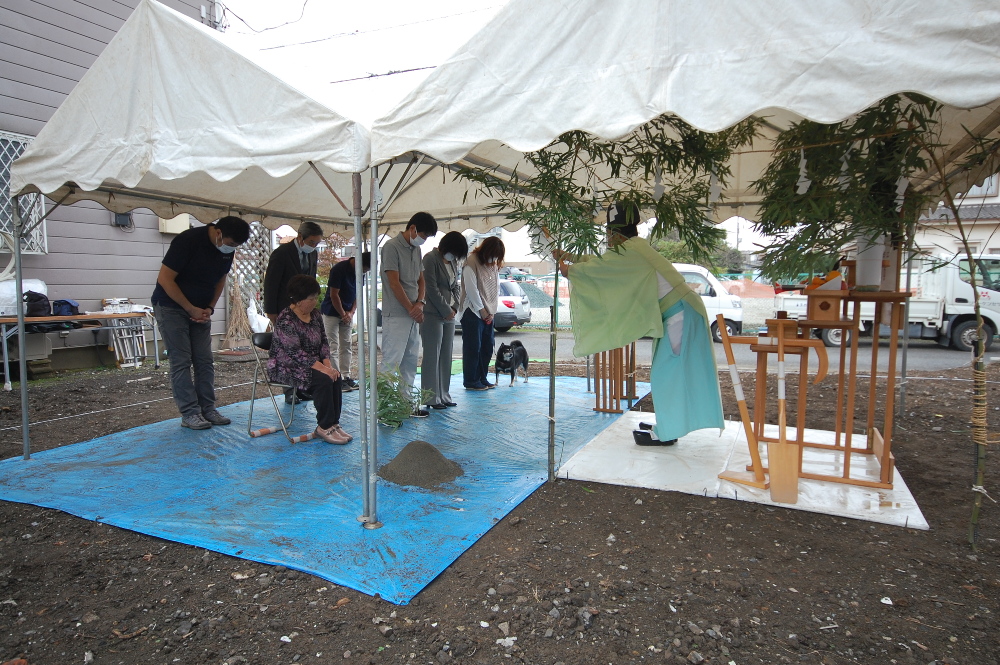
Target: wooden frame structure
x=788 y=336
x=614 y=379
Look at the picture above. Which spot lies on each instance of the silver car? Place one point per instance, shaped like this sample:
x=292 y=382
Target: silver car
x=513 y=307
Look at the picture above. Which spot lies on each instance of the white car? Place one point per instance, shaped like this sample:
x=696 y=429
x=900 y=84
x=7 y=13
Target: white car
x=513 y=307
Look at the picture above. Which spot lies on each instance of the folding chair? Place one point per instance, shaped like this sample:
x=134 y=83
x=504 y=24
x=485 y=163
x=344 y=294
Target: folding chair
x=262 y=342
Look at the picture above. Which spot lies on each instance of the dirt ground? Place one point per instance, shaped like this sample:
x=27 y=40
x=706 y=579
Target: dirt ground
x=579 y=573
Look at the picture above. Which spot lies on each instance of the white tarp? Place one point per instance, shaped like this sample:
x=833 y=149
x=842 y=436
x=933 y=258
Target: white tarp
x=544 y=67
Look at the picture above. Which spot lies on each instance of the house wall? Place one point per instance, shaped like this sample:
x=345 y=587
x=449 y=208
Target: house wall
x=45 y=48
x=980 y=212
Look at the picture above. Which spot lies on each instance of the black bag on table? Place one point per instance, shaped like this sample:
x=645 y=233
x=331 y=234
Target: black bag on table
x=36 y=304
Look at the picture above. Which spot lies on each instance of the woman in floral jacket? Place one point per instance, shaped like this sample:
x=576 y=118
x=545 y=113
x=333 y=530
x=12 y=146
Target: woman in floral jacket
x=300 y=357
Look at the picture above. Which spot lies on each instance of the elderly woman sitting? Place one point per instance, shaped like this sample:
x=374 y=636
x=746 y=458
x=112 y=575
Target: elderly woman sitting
x=300 y=356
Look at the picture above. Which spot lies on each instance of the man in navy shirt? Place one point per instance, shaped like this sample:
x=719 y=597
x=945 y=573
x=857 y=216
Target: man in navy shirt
x=188 y=288
x=338 y=314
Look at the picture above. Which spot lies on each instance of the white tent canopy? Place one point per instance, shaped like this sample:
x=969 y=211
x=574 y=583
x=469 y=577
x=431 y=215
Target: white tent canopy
x=543 y=68
x=176 y=117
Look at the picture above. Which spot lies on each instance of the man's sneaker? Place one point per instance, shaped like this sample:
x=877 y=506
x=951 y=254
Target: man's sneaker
x=195 y=421
x=419 y=413
x=216 y=418
x=350 y=384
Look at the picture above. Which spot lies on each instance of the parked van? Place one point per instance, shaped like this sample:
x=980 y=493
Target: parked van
x=717 y=300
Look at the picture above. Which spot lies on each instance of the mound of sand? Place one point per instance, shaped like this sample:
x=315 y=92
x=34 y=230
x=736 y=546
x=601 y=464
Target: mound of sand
x=421 y=464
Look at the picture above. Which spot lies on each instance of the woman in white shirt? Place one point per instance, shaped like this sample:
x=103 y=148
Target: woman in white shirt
x=480 y=282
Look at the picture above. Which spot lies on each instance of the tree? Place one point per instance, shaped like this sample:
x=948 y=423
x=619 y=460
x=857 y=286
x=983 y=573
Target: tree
x=829 y=185
x=723 y=258
x=557 y=191
x=328 y=254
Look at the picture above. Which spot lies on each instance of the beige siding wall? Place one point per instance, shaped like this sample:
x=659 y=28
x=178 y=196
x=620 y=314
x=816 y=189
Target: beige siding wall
x=46 y=46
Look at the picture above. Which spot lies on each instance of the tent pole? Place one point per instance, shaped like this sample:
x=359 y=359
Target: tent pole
x=553 y=332
x=359 y=280
x=370 y=518
x=21 y=345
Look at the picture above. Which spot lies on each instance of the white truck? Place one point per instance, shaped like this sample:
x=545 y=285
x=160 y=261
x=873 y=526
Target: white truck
x=941 y=307
x=717 y=300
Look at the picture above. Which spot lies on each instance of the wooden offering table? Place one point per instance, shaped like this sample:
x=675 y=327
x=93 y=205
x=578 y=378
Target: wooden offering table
x=830 y=310
x=889 y=307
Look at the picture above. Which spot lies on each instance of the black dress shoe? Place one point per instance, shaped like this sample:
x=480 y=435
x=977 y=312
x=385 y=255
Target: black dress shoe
x=438 y=406
x=646 y=426
x=450 y=404
x=645 y=438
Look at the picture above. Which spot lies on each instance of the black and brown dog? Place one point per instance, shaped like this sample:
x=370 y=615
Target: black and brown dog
x=510 y=358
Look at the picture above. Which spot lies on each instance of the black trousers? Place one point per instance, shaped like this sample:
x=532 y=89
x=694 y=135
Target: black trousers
x=328 y=397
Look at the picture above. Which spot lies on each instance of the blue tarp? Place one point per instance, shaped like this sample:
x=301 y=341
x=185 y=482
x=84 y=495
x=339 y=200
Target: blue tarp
x=297 y=504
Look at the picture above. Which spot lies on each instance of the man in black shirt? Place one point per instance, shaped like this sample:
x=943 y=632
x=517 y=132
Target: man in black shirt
x=338 y=310
x=188 y=287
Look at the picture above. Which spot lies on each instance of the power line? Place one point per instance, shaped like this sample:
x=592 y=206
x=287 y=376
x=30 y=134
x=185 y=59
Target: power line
x=389 y=73
x=355 y=33
x=302 y=14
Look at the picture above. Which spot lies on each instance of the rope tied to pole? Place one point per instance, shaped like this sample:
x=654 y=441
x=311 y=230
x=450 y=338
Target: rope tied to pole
x=979 y=410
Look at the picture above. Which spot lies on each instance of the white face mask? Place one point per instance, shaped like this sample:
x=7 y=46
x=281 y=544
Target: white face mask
x=224 y=248
x=448 y=256
x=418 y=241
x=308 y=249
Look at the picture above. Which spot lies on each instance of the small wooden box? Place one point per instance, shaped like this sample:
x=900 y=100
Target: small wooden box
x=824 y=305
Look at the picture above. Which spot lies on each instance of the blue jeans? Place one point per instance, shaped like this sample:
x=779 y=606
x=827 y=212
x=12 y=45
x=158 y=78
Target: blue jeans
x=477 y=349
x=189 y=346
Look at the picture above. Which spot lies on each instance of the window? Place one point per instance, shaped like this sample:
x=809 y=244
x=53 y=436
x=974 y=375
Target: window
x=697 y=282
x=32 y=206
x=988 y=188
x=987 y=273
x=510 y=289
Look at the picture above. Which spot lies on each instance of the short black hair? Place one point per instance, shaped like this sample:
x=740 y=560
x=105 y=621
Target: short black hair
x=425 y=223
x=310 y=229
x=301 y=287
x=454 y=243
x=623 y=219
x=234 y=228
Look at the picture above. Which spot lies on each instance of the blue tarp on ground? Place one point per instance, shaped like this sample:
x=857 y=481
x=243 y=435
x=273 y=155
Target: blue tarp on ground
x=297 y=504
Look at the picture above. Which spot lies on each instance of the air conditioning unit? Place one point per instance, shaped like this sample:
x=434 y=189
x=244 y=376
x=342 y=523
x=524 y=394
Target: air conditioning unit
x=178 y=224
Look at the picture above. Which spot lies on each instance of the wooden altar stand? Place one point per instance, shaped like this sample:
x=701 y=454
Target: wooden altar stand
x=614 y=379
x=827 y=309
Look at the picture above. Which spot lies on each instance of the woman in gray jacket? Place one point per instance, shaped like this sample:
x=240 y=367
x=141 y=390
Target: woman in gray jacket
x=437 y=332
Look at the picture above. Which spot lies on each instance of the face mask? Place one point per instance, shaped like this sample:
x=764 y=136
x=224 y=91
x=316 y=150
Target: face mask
x=448 y=256
x=308 y=249
x=225 y=249
x=418 y=241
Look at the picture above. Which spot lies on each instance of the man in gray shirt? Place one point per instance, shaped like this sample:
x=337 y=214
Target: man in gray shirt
x=403 y=300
